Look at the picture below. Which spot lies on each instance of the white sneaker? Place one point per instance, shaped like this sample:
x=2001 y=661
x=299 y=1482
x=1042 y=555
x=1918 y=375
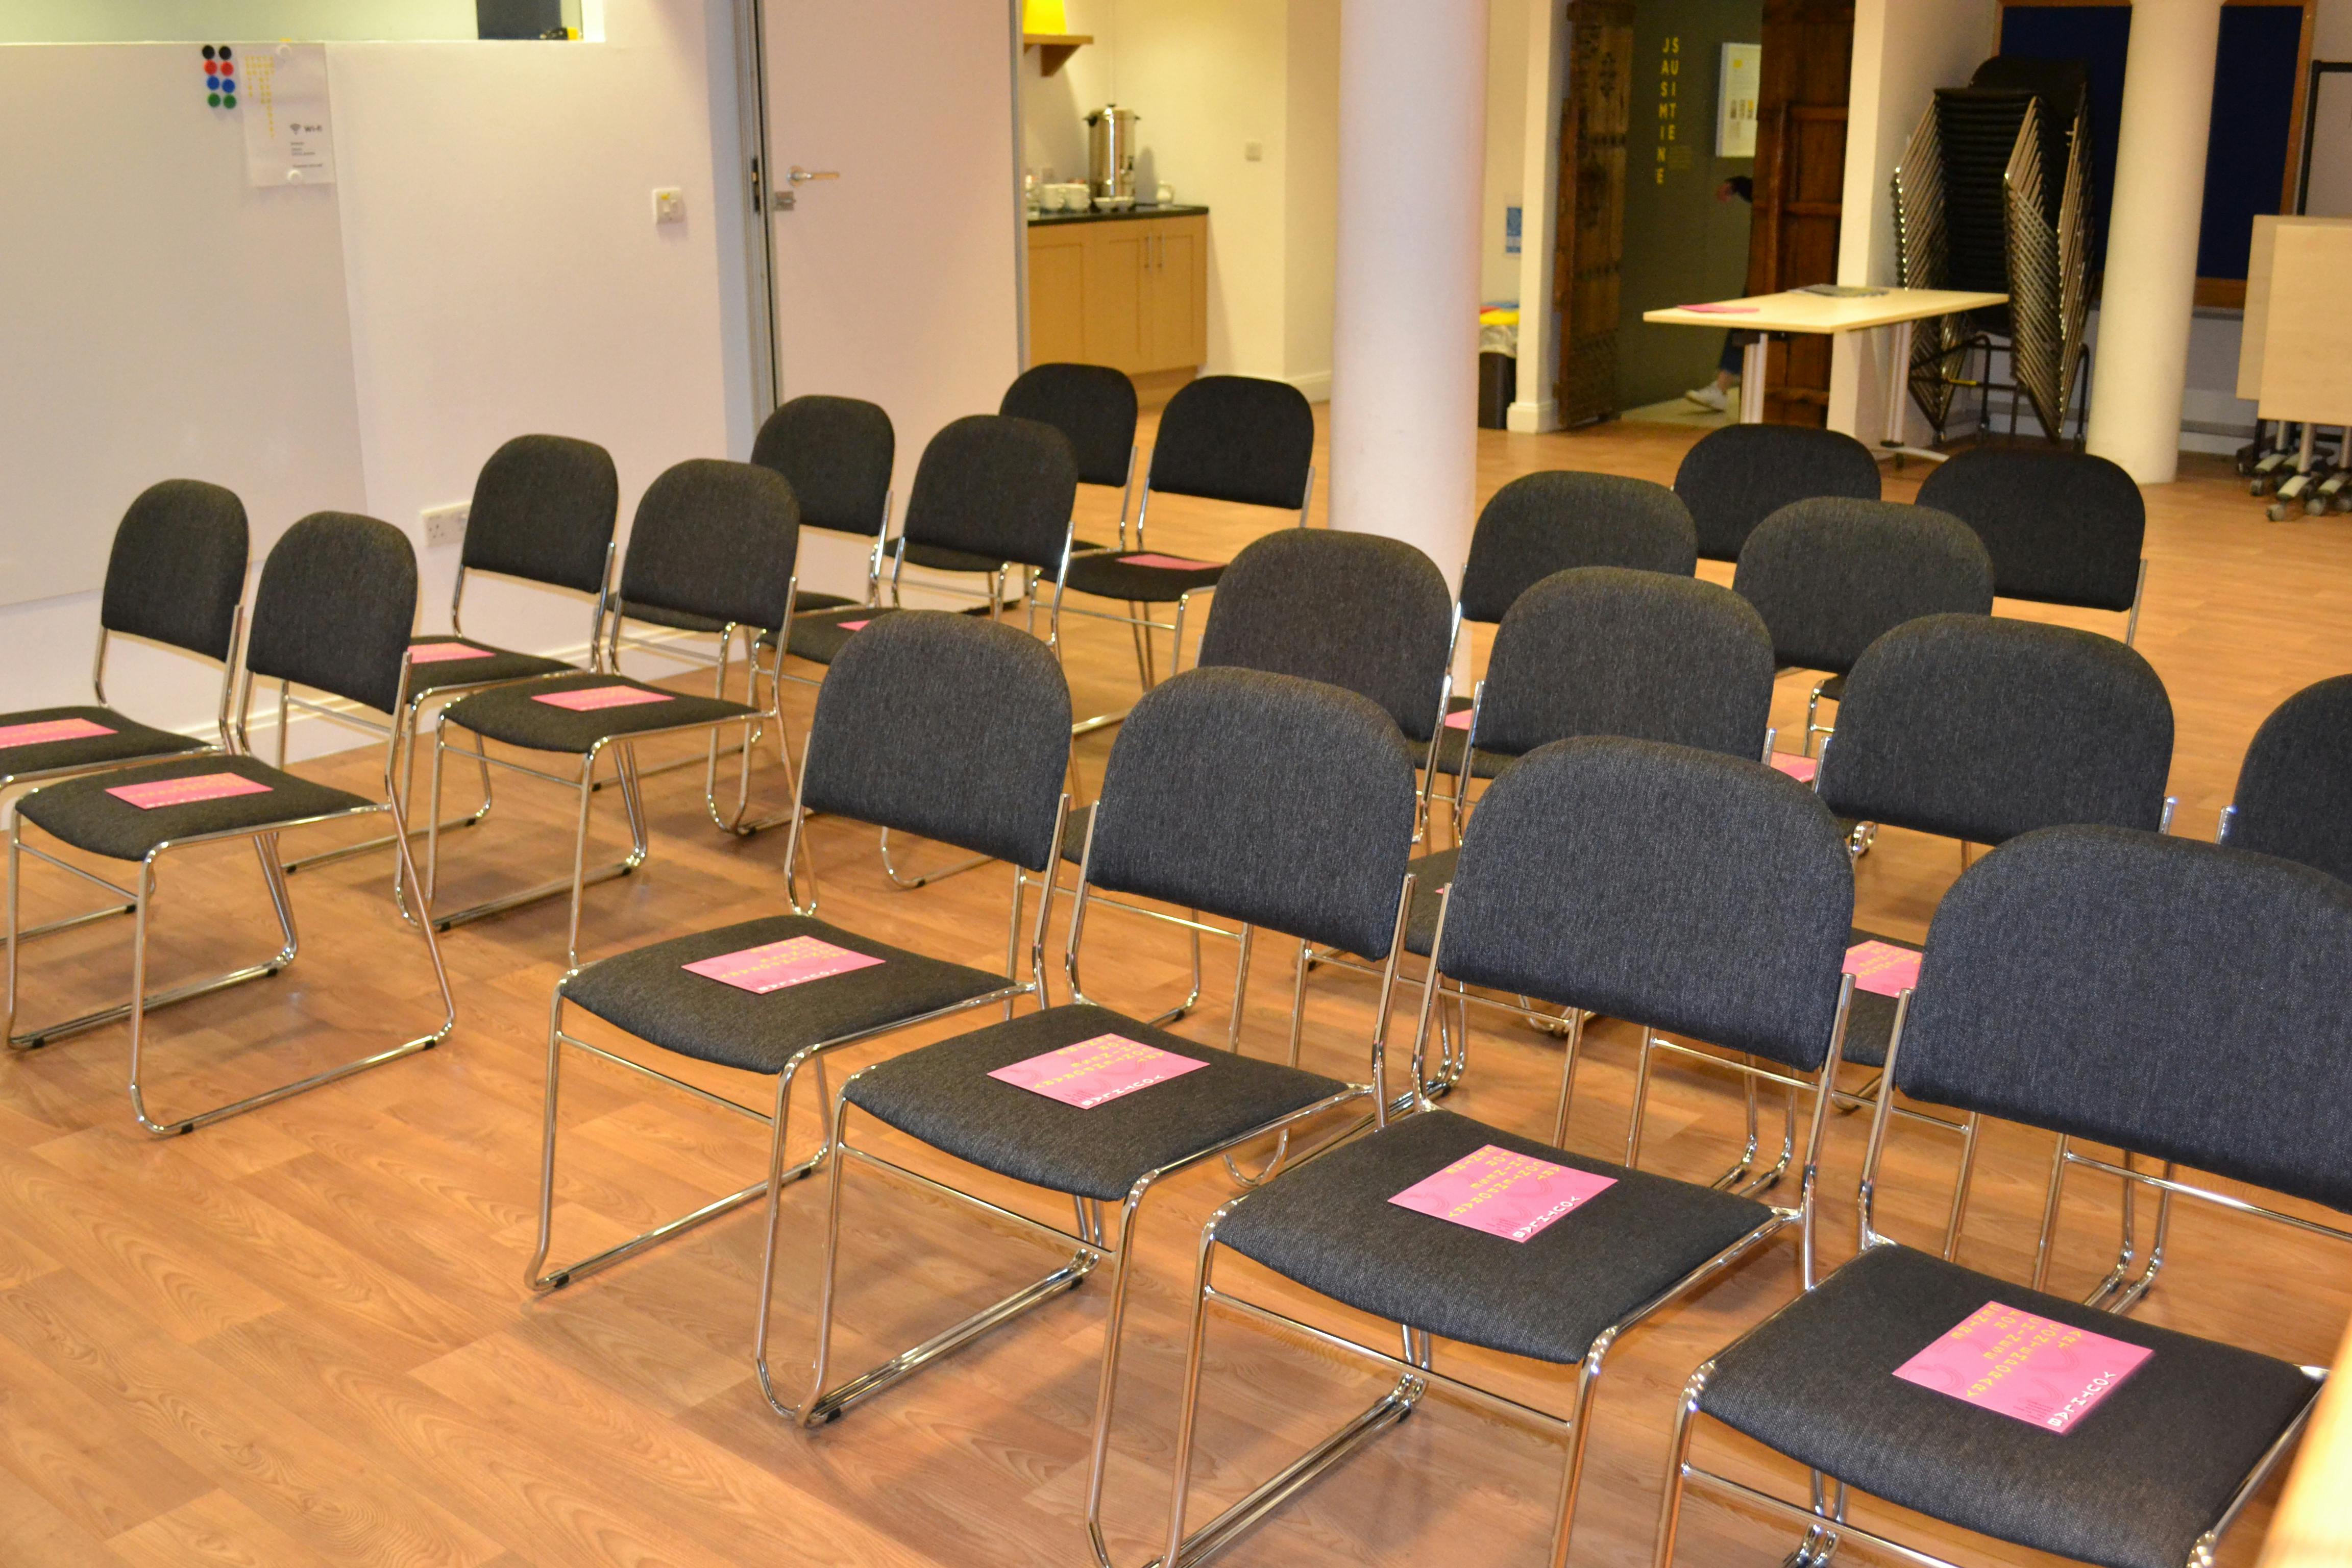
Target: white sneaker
x=1709 y=397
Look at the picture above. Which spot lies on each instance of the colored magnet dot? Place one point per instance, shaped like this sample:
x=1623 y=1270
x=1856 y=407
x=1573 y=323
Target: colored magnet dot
x=213 y=82
x=228 y=101
x=226 y=51
x=213 y=99
x=228 y=66
x=209 y=51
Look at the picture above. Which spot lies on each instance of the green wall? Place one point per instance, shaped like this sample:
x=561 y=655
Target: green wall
x=1682 y=246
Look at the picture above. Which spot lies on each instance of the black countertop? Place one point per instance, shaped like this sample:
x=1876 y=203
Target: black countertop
x=1097 y=215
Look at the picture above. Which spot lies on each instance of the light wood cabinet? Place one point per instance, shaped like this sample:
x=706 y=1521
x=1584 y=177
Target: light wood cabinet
x=1131 y=293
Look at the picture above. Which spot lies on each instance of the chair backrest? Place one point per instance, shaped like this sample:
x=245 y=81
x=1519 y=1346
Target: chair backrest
x=544 y=509
x=334 y=609
x=2295 y=790
x=951 y=727
x=1556 y=520
x=1683 y=890
x=1237 y=438
x=1983 y=728
x=716 y=539
x=177 y=569
x=2180 y=999
x=1602 y=650
x=1737 y=476
x=996 y=486
x=1262 y=798
x=1830 y=576
x=2063 y=528
x=836 y=454
x=1354 y=610
x=1093 y=404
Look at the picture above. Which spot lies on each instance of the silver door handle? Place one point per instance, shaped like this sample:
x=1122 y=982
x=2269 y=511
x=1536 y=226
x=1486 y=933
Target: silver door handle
x=801 y=176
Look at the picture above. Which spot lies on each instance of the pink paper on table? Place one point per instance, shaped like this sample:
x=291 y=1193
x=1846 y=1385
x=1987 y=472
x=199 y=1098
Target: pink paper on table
x=795 y=961
x=1801 y=769
x=1515 y=1196
x=444 y=652
x=2023 y=1366
x=1093 y=1071
x=1720 y=309
x=1170 y=563
x=187 y=791
x=588 y=699
x=1881 y=967
x=41 y=731
x=852 y=625
x=1458 y=721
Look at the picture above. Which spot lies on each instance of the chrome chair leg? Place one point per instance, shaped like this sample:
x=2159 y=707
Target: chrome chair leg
x=908 y=885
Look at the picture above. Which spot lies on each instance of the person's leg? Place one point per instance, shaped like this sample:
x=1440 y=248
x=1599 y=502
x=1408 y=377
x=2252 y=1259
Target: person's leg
x=1717 y=395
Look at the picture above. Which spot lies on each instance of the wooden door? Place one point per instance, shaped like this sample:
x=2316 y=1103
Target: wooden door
x=1114 y=289
x=1591 y=246
x=1800 y=122
x=1057 y=295
x=1174 y=334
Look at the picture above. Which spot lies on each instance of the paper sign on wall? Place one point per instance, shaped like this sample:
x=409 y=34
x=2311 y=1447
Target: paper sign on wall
x=1736 y=89
x=289 y=137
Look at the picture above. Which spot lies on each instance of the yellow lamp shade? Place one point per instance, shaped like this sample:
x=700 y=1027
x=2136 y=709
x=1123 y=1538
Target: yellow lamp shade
x=1044 y=16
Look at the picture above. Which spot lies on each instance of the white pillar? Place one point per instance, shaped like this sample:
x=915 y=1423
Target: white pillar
x=1537 y=407
x=2140 y=366
x=1405 y=356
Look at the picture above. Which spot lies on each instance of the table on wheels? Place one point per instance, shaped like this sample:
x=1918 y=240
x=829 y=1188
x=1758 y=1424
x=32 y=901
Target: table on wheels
x=1799 y=311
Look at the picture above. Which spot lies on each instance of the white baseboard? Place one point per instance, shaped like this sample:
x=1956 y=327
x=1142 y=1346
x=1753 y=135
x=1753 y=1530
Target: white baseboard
x=1532 y=418
x=1318 y=386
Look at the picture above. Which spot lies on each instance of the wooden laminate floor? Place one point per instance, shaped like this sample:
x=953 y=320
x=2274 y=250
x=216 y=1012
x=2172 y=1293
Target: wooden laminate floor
x=302 y=1338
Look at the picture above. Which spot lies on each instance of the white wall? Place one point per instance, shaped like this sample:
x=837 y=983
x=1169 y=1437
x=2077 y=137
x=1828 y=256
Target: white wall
x=1506 y=143
x=502 y=275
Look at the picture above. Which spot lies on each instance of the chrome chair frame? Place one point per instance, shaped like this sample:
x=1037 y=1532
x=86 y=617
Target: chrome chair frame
x=542 y=1280
x=1091 y=1237
x=404 y=724
x=1826 y=1525
x=141 y=895
x=623 y=748
x=11 y=782
x=1415 y=1368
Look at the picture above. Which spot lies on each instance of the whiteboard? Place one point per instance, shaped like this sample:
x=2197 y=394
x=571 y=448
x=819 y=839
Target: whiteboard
x=164 y=318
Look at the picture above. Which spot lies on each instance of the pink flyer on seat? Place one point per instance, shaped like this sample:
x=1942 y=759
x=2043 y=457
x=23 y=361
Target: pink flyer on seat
x=1458 y=721
x=42 y=731
x=1095 y=1071
x=444 y=652
x=1515 y=1196
x=2023 y=1366
x=588 y=699
x=1170 y=562
x=795 y=961
x=852 y=625
x=187 y=791
x=1801 y=769
x=1881 y=967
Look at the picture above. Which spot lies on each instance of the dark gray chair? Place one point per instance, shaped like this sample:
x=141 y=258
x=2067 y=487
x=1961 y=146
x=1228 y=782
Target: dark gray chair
x=1095 y=406
x=711 y=540
x=1222 y=437
x=1703 y=894
x=176 y=576
x=1737 y=476
x=940 y=724
x=2063 y=528
x=543 y=513
x=1279 y=804
x=1829 y=575
x=2098 y=983
x=333 y=613
x=837 y=453
x=2295 y=789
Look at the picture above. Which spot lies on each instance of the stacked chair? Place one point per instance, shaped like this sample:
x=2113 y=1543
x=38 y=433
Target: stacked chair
x=331 y=613
x=1735 y=477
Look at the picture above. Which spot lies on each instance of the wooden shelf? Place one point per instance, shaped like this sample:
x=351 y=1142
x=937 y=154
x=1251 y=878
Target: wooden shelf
x=1055 y=49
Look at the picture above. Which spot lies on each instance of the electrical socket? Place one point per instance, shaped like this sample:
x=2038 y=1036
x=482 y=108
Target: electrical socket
x=669 y=204
x=446 y=524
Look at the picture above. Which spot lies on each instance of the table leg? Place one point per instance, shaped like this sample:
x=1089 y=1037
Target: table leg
x=1898 y=398
x=1751 y=380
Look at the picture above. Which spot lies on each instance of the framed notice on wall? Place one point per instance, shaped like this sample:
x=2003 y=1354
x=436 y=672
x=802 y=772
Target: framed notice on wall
x=1737 y=88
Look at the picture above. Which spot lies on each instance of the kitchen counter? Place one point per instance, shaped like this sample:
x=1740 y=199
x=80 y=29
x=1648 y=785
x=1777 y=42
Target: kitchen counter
x=1129 y=215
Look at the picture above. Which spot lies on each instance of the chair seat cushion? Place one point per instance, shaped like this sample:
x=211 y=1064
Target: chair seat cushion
x=942 y=1094
x=1870 y=1022
x=514 y=715
x=820 y=636
x=1120 y=577
x=676 y=620
x=1486 y=764
x=131 y=742
x=1075 y=828
x=808 y=600
x=650 y=994
x=1078 y=547
x=943 y=558
x=1431 y=874
x=1834 y=688
x=81 y=812
x=2131 y=1484
x=503 y=664
x=1329 y=1226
